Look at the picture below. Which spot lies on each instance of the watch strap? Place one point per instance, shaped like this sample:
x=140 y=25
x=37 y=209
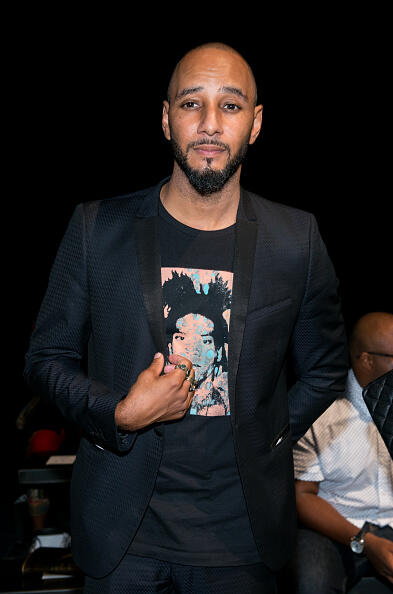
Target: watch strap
x=364 y=529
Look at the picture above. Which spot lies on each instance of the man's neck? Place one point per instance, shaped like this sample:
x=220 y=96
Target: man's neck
x=208 y=213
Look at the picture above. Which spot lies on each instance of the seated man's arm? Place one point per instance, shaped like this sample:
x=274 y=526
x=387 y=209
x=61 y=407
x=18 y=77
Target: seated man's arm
x=316 y=513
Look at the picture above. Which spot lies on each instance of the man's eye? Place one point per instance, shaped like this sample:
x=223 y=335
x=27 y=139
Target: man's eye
x=178 y=337
x=231 y=107
x=207 y=340
x=189 y=104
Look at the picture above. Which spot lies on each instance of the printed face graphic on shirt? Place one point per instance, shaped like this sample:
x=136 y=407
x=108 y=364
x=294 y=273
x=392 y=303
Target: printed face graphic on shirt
x=197 y=311
x=194 y=340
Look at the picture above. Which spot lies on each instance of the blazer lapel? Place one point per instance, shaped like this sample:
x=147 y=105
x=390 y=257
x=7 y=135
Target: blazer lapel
x=149 y=262
x=246 y=237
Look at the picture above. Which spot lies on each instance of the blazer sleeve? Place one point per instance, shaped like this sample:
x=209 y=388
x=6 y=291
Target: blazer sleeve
x=318 y=343
x=59 y=342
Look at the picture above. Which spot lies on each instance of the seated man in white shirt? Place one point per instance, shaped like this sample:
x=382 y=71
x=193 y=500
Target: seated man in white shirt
x=344 y=486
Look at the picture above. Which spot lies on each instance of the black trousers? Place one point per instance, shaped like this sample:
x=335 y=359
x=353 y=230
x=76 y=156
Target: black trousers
x=323 y=566
x=143 y=575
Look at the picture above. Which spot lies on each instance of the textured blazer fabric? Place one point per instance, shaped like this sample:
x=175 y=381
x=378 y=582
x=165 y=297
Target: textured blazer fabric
x=104 y=298
x=378 y=397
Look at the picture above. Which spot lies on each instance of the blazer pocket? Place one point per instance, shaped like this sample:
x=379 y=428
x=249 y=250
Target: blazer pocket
x=280 y=437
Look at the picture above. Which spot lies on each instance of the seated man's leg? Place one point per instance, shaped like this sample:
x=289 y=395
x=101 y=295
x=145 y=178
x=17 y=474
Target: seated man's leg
x=316 y=566
x=370 y=585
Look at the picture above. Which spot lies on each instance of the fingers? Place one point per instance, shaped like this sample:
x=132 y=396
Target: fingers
x=179 y=365
x=186 y=393
x=189 y=374
x=190 y=397
x=157 y=364
x=179 y=376
x=190 y=379
x=190 y=385
x=179 y=360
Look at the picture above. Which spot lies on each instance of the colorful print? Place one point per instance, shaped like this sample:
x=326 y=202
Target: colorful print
x=197 y=306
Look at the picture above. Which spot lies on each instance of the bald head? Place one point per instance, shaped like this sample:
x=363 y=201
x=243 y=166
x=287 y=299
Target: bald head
x=371 y=346
x=215 y=49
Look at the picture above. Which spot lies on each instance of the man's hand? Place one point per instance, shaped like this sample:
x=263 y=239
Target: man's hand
x=379 y=551
x=155 y=397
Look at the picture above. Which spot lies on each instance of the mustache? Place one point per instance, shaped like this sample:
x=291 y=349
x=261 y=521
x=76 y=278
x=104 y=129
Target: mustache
x=208 y=141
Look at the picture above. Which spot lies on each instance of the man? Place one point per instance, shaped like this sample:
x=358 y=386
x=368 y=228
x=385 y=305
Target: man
x=344 y=486
x=161 y=498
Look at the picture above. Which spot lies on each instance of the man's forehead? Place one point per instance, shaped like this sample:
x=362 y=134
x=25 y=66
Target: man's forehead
x=194 y=319
x=222 y=69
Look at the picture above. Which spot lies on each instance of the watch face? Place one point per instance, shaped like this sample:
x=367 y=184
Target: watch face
x=357 y=546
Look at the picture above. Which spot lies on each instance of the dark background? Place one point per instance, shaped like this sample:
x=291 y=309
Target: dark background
x=86 y=108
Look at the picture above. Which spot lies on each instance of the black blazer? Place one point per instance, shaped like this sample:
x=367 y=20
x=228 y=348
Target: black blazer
x=104 y=296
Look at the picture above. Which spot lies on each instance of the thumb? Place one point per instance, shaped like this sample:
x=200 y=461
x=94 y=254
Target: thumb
x=157 y=364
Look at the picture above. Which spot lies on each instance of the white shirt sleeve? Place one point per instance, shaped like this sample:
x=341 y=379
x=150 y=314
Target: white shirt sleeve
x=306 y=457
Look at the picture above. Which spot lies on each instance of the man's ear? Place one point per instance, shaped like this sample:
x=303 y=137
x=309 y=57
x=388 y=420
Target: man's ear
x=257 y=124
x=165 y=120
x=366 y=361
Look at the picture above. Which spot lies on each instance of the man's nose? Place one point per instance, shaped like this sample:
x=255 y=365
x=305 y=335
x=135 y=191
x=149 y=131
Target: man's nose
x=210 y=122
x=192 y=348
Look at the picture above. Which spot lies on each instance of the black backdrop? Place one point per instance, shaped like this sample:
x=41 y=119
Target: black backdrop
x=87 y=104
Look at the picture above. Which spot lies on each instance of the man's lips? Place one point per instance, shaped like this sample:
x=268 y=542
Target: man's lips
x=209 y=150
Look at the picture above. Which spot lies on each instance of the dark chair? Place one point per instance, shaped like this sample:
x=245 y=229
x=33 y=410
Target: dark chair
x=378 y=396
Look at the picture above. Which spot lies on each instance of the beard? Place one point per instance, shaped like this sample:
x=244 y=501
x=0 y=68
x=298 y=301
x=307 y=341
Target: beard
x=207 y=181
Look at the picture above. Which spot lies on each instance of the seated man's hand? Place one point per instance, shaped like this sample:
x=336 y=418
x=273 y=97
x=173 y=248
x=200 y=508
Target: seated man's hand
x=379 y=551
x=155 y=397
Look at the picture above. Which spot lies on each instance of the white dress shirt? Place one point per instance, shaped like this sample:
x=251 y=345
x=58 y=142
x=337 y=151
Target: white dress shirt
x=344 y=452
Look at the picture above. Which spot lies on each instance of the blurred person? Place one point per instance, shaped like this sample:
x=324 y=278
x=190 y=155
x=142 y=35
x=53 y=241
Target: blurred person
x=344 y=486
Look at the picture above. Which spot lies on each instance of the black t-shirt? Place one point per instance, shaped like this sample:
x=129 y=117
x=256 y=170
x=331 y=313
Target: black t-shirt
x=197 y=514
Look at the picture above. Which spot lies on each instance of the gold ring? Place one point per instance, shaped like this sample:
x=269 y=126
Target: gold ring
x=193 y=385
x=184 y=368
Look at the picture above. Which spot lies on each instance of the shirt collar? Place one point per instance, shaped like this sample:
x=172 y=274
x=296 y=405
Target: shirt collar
x=354 y=394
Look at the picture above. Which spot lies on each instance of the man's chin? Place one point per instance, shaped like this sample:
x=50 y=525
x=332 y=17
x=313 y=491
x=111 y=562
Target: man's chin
x=207 y=181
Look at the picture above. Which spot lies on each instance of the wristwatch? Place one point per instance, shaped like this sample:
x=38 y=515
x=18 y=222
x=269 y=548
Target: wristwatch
x=357 y=541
